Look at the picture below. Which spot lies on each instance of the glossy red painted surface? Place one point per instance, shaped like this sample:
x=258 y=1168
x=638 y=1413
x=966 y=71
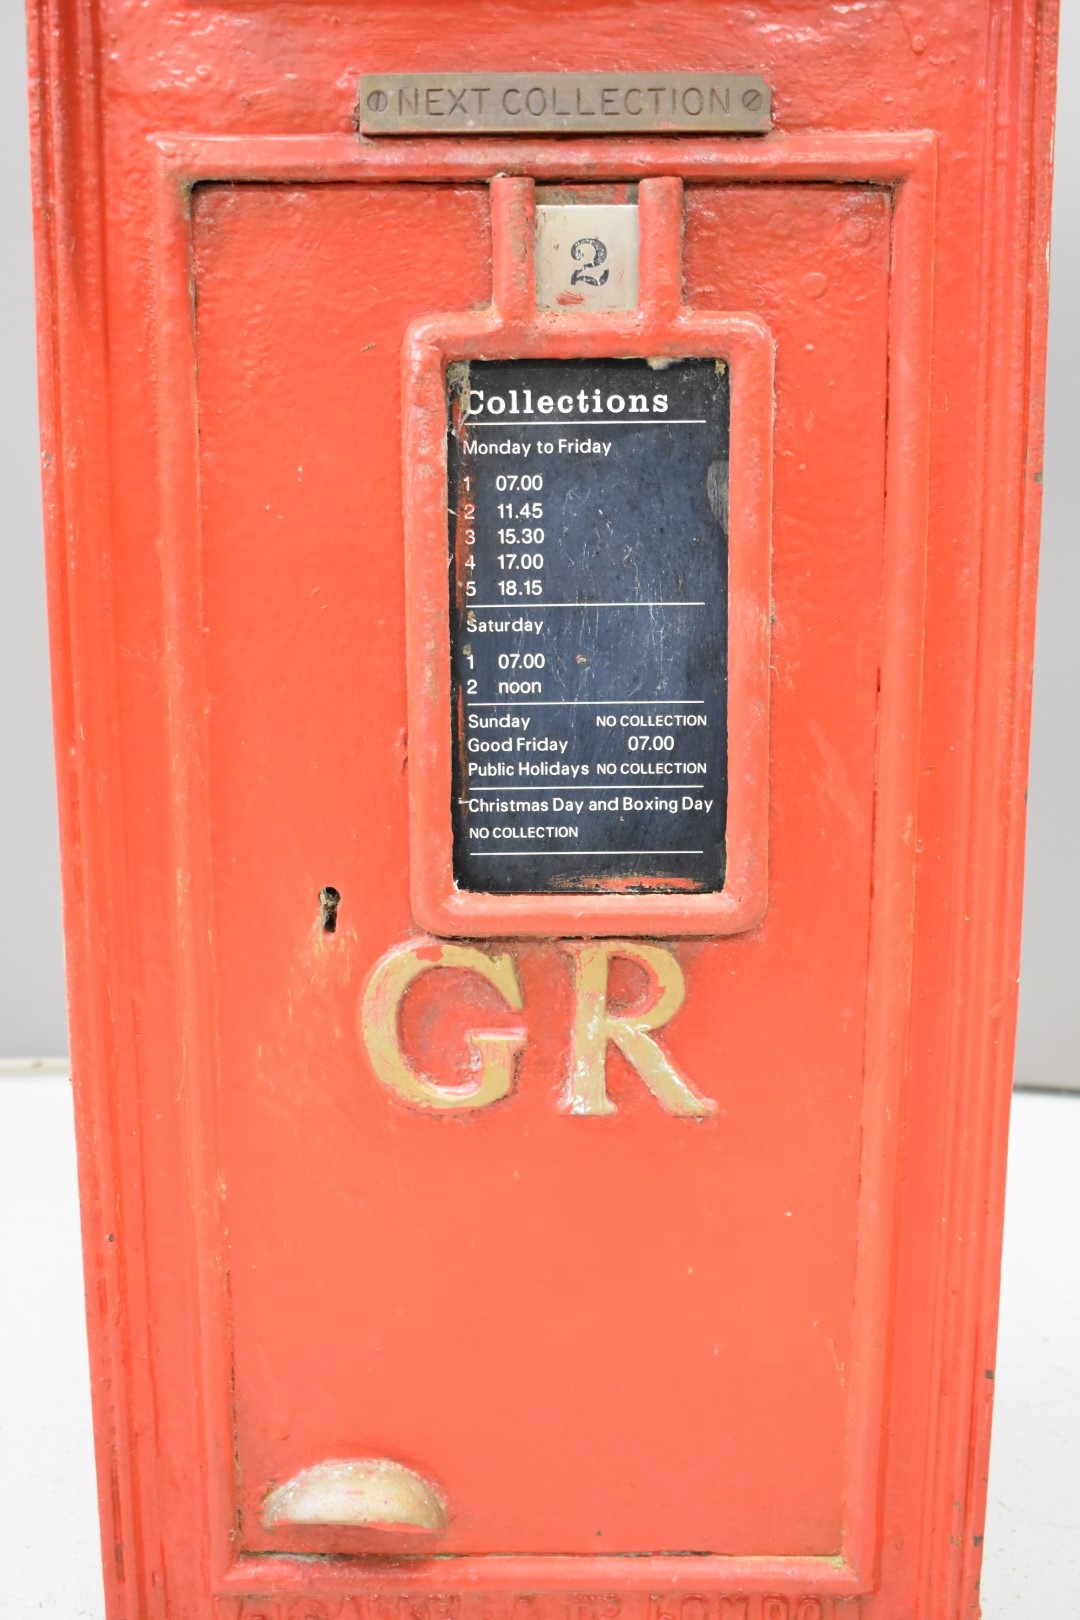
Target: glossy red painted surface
x=735 y=1366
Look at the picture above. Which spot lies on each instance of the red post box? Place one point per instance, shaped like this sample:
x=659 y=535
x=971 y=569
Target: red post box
x=542 y=523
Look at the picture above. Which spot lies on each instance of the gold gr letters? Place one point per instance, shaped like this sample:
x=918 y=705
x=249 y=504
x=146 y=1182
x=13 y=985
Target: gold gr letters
x=594 y=1027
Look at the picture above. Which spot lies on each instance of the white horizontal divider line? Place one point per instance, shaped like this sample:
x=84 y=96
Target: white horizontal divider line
x=636 y=854
x=587 y=703
x=595 y=421
x=599 y=784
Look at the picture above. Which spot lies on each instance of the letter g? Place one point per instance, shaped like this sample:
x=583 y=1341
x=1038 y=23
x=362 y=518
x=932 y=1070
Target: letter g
x=379 y=1025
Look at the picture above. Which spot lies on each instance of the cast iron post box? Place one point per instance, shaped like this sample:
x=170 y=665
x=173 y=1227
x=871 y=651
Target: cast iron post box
x=542 y=510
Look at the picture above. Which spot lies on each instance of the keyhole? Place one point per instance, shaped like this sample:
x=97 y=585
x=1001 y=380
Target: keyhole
x=329 y=900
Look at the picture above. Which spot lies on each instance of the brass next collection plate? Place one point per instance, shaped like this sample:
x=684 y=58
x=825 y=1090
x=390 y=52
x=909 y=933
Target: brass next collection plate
x=563 y=103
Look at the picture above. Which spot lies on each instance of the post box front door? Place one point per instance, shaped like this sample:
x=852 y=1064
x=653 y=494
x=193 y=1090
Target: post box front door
x=545 y=1286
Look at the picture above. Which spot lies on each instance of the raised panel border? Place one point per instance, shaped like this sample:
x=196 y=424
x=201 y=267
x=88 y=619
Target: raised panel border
x=513 y=327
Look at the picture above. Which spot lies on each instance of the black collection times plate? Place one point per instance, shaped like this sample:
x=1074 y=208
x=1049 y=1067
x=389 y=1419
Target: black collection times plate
x=588 y=624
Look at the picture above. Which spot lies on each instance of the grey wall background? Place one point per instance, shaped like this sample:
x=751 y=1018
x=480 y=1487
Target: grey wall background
x=1048 y=1043
x=32 y=1019
x=31 y=963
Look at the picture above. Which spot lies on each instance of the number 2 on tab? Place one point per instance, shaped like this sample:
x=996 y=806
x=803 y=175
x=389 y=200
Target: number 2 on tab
x=588 y=253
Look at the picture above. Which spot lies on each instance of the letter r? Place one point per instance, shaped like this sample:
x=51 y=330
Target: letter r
x=594 y=1027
